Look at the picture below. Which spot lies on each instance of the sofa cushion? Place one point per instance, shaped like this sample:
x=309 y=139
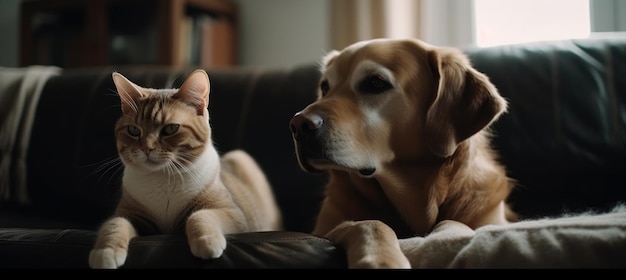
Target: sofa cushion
x=69 y=248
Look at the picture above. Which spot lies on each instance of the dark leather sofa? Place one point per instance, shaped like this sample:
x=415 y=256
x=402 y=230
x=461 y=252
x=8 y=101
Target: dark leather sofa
x=563 y=139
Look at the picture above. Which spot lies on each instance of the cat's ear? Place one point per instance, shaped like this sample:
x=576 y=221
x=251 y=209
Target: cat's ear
x=195 y=91
x=128 y=92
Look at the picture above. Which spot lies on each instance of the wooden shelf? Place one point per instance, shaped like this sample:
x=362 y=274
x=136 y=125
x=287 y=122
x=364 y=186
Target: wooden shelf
x=78 y=33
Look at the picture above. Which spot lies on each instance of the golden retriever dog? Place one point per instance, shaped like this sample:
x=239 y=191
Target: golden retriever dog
x=401 y=128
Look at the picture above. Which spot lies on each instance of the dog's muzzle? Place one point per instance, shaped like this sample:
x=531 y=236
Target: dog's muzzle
x=309 y=137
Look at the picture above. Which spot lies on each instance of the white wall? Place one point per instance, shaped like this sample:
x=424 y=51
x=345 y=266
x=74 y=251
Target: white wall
x=9 y=30
x=608 y=15
x=447 y=22
x=283 y=32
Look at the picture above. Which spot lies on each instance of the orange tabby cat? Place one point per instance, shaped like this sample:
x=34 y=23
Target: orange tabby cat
x=174 y=180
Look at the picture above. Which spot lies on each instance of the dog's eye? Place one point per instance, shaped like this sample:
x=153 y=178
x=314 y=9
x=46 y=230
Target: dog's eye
x=324 y=87
x=374 y=84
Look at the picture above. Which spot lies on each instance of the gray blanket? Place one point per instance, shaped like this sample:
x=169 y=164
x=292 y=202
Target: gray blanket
x=19 y=93
x=583 y=240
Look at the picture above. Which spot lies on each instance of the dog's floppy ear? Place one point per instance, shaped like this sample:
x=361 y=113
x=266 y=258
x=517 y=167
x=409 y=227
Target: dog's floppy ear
x=466 y=102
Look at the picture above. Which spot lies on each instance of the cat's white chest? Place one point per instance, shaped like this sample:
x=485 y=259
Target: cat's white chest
x=165 y=195
x=163 y=200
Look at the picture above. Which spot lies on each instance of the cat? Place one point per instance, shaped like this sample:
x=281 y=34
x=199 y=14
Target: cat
x=174 y=180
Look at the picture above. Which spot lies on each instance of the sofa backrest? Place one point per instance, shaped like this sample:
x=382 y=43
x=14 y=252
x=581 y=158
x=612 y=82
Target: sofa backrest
x=564 y=136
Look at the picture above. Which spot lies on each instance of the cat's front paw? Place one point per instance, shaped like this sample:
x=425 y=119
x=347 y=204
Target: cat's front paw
x=107 y=258
x=208 y=246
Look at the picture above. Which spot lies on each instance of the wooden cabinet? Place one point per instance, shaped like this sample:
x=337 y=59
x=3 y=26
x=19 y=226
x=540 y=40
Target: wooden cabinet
x=80 y=33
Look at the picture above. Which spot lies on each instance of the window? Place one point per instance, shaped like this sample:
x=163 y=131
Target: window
x=500 y=22
x=469 y=23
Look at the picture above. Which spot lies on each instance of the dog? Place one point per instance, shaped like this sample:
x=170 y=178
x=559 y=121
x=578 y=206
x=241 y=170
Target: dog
x=401 y=127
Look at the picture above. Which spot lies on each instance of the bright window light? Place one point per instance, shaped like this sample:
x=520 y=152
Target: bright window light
x=501 y=22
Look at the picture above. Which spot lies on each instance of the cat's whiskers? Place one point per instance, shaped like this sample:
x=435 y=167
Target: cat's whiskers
x=171 y=170
x=180 y=164
x=178 y=170
x=112 y=166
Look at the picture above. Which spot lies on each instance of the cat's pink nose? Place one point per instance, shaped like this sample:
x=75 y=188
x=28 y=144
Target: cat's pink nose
x=147 y=151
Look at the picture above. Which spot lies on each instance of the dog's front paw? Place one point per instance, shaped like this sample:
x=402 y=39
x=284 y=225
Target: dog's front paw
x=208 y=246
x=107 y=258
x=389 y=261
x=369 y=244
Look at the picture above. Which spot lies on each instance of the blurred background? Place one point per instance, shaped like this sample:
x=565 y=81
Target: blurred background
x=268 y=33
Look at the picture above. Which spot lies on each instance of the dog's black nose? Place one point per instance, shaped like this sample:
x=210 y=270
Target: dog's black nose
x=302 y=125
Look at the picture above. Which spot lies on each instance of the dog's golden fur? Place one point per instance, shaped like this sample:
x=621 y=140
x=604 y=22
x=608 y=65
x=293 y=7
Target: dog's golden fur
x=401 y=127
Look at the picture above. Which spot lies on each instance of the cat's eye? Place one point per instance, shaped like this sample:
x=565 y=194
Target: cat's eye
x=133 y=130
x=170 y=129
